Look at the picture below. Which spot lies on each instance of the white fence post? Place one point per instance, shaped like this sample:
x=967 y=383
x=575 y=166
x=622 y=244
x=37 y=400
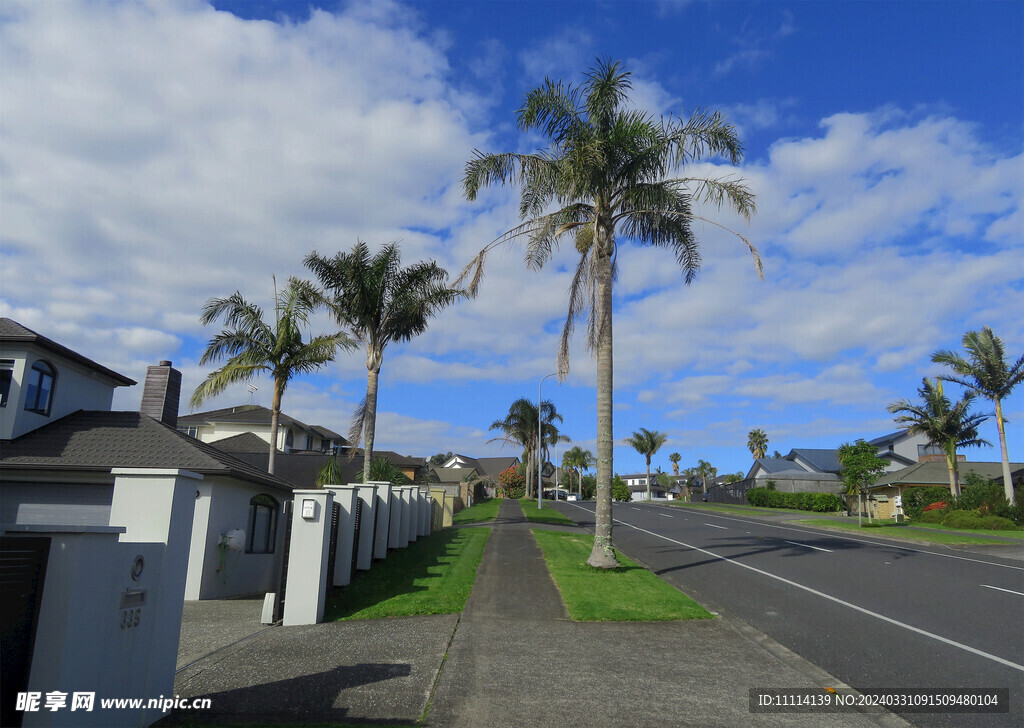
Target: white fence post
x=395 y=533
x=367 y=493
x=383 y=520
x=406 y=514
x=306 y=589
x=345 y=496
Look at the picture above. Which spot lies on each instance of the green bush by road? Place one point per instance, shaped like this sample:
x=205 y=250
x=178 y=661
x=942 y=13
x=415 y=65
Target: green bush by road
x=630 y=593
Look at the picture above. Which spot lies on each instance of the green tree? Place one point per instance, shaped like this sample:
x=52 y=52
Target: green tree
x=734 y=477
x=579 y=460
x=707 y=472
x=647 y=443
x=520 y=428
x=383 y=470
x=607 y=172
x=757 y=443
x=860 y=467
x=944 y=424
x=674 y=458
x=986 y=372
x=441 y=458
x=252 y=346
x=378 y=301
x=620 y=491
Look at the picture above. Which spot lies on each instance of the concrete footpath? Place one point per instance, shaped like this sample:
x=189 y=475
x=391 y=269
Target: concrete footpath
x=513 y=657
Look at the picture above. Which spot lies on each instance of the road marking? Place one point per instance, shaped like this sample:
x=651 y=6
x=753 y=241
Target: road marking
x=667 y=515
x=808 y=546
x=833 y=534
x=635 y=509
x=714 y=526
x=999 y=588
x=837 y=600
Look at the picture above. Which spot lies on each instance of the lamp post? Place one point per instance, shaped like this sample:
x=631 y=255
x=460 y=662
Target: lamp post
x=540 y=430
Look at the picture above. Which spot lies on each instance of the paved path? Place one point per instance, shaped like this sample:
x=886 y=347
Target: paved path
x=512 y=658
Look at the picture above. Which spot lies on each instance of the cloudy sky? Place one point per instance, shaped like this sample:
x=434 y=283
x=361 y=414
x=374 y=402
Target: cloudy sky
x=155 y=154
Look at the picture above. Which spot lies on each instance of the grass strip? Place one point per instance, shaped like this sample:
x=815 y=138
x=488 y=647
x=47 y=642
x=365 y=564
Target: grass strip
x=629 y=593
x=1018 y=534
x=486 y=510
x=900 y=532
x=729 y=508
x=432 y=575
x=543 y=515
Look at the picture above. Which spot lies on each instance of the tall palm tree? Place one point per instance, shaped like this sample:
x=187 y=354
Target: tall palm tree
x=579 y=460
x=252 y=346
x=520 y=428
x=608 y=170
x=757 y=443
x=674 y=458
x=647 y=443
x=986 y=372
x=378 y=301
x=707 y=472
x=944 y=424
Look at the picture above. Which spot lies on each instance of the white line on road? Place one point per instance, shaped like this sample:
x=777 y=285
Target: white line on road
x=635 y=509
x=667 y=515
x=999 y=588
x=714 y=526
x=808 y=546
x=837 y=600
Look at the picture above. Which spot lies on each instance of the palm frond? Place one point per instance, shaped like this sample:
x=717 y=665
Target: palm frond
x=355 y=429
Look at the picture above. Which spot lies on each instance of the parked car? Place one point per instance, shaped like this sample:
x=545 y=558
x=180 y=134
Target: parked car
x=572 y=497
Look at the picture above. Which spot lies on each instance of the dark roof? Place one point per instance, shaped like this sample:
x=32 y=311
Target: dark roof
x=11 y=330
x=327 y=434
x=244 y=442
x=887 y=439
x=823 y=460
x=452 y=475
x=937 y=473
x=490 y=467
x=97 y=440
x=247 y=413
x=301 y=468
x=777 y=465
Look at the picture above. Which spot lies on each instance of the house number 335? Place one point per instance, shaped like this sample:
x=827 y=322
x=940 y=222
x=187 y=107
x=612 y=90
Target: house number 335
x=130 y=618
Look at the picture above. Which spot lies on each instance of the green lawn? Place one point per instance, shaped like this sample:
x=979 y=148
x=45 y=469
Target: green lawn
x=627 y=594
x=973 y=531
x=728 y=508
x=483 y=511
x=433 y=575
x=897 y=531
x=547 y=514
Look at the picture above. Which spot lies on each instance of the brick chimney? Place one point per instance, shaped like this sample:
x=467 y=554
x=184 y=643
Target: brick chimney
x=161 y=393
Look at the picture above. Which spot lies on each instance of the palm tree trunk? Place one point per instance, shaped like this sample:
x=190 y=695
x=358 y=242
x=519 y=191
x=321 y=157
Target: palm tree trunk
x=275 y=416
x=603 y=554
x=370 y=417
x=1007 y=479
x=954 y=481
x=648 y=478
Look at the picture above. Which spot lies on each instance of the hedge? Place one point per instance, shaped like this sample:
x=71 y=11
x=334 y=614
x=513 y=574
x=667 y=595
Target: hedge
x=818 y=502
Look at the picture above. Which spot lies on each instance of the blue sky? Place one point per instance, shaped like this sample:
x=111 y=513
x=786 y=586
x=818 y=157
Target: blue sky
x=153 y=155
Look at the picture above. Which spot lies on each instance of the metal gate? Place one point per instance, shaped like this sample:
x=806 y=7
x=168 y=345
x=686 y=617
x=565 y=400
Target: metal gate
x=286 y=514
x=332 y=549
x=357 y=520
x=22 y=573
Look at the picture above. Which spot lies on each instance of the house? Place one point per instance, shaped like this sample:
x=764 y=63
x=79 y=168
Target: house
x=63 y=451
x=300 y=468
x=487 y=468
x=883 y=492
x=899 y=448
x=639 y=492
x=228 y=422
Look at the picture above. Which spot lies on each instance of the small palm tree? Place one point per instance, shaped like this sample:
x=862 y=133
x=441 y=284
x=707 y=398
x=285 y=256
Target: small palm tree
x=944 y=424
x=252 y=346
x=378 y=302
x=707 y=472
x=757 y=443
x=647 y=443
x=609 y=171
x=986 y=372
x=520 y=428
x=579 y=460
x=674 y=458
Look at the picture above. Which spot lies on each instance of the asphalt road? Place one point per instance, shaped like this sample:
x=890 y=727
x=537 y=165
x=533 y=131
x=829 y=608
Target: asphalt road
x=871 y=613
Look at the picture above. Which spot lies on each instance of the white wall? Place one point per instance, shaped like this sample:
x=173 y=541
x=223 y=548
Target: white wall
x=75 y=387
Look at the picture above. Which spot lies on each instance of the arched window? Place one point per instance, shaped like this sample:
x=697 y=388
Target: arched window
x=263 y=511
x=41 y=378
x=289 y=439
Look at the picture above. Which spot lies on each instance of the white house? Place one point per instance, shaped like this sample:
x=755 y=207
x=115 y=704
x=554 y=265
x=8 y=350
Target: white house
x=292 y=435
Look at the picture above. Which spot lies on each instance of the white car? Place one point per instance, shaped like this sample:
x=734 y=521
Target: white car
x=572 y=497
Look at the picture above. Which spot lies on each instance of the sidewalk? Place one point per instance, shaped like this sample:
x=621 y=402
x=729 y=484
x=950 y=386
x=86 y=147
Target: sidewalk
x=512 y=658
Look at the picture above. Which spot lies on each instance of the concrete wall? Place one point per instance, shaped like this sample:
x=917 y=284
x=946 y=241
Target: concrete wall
x=75 y=387
x=306 y=589
x=223 y=505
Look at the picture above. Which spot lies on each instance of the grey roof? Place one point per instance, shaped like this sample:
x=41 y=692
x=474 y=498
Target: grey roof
x=823 y=460
x=887 y=439
x=301 y=468
x=11 y=330
x=328 y=434
x=777 y=465
x=246 y=413
x=937 y=473
x=98 y=440
x=243 y=442
x=493 y=467
x=452 y=475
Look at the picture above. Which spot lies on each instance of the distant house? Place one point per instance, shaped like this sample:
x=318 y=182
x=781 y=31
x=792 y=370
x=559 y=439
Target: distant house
x=300 y=468
x=882 y=492
x=899 y=448
x=292 y=434
x=62 y=451
x=639 y=492
x=486 y=468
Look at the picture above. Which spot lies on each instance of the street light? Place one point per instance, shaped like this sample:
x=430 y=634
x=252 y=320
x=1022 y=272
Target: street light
x=540 y=430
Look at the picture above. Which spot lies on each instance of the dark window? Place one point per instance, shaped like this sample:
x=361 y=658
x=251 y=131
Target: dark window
x=190 y=430
x=40 y=388
x=309 y=442
x=262 y=524
x=929 y=449
x=289 y=438
x=6 y=376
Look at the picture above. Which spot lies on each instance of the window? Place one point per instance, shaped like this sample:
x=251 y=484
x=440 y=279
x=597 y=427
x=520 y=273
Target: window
x=40 y=388
x=289 y=439
x=6 y=376
x=929 y=449
x=262 y=524
x=309 y=442
x=190 y=430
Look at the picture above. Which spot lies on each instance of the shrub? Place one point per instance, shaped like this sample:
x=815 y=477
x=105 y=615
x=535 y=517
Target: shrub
x=937 y=505
x=998 y=523
x=512 y=483
x=819 y=502
x=933 y=516
x=620 y=491
x=915 y=499
x=963 y=519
